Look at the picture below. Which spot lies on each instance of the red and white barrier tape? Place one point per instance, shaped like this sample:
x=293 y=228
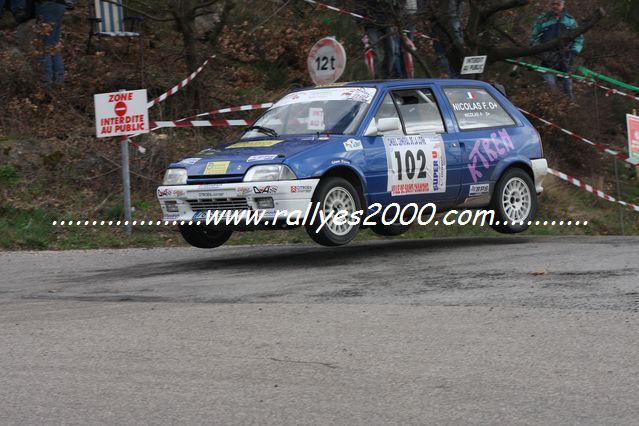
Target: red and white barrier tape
x=591 y=189
x=229 y=109
x=598 y=146
x=590 y=82
x=342 y=11
x=358 y=16
x=200 y=123
x=189 y=122
x=181 y=85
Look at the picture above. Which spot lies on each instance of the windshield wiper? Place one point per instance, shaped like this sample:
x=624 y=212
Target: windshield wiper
x=266 y=130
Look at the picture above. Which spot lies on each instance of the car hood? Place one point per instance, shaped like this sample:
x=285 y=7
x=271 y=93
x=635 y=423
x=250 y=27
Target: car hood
x=237 y=157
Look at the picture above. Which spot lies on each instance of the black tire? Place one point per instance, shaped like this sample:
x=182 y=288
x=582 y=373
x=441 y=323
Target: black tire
x=389 y=230
x=336 y=187
x=514 y=202
x=203 y=236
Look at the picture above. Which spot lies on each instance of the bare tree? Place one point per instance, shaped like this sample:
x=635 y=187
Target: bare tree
x=185 y=14
x=481 y=35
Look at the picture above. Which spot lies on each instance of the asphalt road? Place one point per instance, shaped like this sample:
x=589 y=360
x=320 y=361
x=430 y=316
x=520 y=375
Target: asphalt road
x=452 y=331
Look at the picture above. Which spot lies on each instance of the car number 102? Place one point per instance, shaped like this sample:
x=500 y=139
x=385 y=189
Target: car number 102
x=409 y=162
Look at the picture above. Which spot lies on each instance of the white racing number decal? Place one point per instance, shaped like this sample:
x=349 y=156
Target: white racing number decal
x=416 y=164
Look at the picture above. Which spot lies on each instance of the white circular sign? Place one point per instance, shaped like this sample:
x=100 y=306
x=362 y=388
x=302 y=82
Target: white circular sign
x=326 y=61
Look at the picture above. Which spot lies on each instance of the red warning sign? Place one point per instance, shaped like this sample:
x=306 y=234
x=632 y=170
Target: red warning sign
x=120 y=109
x=121 y=113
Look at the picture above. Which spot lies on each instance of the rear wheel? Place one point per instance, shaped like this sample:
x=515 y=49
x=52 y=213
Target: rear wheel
x=334 y=195
x=204 y=236
x=391 y=230
x=514 y=202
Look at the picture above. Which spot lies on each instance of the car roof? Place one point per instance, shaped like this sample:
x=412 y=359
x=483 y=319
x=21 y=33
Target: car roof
x=409 y=82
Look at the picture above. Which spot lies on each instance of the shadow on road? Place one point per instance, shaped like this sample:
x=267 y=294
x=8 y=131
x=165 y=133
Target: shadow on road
x=270 y=258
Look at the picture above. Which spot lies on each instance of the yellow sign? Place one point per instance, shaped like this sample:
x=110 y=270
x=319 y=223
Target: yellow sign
x=337 y=84
x=216 y=167
x=254 y=144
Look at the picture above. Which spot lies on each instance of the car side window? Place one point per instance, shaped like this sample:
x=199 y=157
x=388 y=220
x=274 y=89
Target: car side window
x=475 y=108
x=419 y=111
x=387 y=109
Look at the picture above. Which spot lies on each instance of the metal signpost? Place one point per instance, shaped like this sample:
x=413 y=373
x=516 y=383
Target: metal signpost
x=122 y=113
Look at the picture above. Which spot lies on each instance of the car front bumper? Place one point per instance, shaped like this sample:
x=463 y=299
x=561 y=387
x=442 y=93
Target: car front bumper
x=192 y=202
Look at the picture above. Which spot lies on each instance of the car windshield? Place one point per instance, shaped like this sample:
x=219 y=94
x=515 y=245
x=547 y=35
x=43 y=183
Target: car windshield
x=334 y=110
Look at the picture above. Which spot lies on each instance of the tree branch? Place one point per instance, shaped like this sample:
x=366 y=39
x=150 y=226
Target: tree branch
x=226 y=10
x=203 y=5
x=146 y=15
x=496 y=8
x=498 y=54
x=507 y=36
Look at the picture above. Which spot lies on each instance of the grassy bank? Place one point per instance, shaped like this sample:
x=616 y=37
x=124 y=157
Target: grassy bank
x=32 y=229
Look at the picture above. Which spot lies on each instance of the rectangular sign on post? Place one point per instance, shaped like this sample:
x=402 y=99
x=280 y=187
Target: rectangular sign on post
x=633 y=137
x=121 y=113
x=473 y=65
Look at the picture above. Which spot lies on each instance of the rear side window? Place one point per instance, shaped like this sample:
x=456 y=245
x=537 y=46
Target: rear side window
x=477 y=109
x=419 y=111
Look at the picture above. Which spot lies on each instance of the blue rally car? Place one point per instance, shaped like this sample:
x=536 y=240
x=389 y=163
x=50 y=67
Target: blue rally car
x=352 y=146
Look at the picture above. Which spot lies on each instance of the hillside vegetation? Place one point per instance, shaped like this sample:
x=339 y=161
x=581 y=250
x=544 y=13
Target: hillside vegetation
x=53 y=168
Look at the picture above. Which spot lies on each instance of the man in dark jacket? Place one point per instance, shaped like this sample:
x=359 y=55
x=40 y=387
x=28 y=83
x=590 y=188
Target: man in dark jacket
x=550 y=26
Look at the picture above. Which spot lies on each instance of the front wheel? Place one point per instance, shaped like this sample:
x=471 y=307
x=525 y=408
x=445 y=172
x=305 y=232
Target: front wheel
x=335 y=195
x=204 y=236
x=514 y=202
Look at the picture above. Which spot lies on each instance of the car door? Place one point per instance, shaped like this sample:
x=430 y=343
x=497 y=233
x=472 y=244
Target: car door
x=376 y=170
x=487 y=134
x=419 y=162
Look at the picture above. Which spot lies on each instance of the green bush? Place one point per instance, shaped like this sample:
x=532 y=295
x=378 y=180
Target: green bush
x=8 y=174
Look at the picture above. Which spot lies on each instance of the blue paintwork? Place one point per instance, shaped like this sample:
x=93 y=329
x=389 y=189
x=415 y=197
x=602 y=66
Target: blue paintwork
x=314 y=155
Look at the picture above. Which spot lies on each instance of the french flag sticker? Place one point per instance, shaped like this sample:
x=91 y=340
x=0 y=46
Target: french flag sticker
x=470 y=95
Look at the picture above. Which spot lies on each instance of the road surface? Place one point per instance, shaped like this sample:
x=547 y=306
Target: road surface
x=522 y=330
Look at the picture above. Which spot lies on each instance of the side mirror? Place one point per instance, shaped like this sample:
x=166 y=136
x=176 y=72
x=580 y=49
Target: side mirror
x=385 y=125
x=371 y=130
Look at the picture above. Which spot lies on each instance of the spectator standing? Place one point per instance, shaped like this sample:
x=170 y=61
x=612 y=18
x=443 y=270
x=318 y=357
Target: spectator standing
x=50 y=13
x=18 y=10
x=380 y=29
x=407 y=67
x=455 y=12
x=550 y=26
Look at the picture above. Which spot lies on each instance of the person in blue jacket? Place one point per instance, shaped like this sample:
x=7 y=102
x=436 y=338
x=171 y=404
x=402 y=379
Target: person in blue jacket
x=550 y=26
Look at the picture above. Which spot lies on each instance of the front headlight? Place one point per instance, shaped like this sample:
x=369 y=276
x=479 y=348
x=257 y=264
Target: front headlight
x=269 y=172
x=175 y=177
